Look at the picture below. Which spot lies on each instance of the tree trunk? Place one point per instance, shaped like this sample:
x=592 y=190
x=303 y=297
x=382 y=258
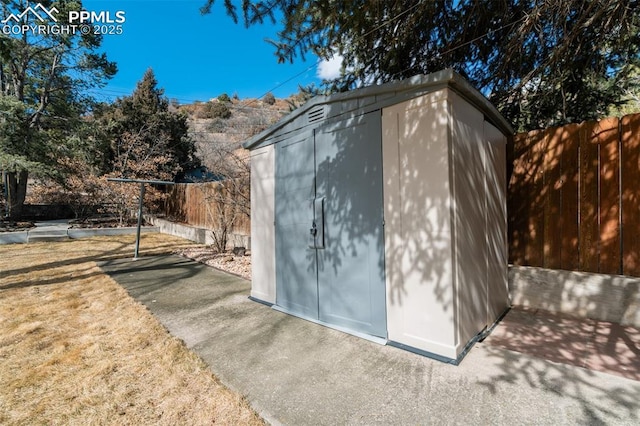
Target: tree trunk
x=16 y=192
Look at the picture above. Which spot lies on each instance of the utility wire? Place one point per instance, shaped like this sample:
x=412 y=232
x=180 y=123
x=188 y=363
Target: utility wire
x=320 y=60
x=446 y=52
x=309 y=68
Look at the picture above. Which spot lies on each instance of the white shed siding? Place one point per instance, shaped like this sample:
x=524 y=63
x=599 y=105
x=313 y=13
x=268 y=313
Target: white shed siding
x=263 y=261
x=444 y=173
x=467 y=126
x=420 y=305
x=496 y=220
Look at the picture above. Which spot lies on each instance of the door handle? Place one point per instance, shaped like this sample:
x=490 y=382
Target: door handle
x=316 y=232
x=318 y=222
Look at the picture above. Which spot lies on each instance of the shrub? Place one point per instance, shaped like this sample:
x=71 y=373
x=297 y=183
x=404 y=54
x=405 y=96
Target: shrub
x=269 y=99
x=216 y=126
x=214 y=110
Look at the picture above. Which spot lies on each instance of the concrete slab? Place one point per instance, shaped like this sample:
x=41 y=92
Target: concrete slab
x=59 y=230
x=94 y=232
x=295 y=372
x=50 y=225
x=50 y=230
x=194 y=233
x=596 y=345
x=613 y=298
x=19 y=237
x=39 y=237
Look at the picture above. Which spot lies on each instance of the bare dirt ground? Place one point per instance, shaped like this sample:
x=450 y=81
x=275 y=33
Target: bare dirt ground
x=75 y=348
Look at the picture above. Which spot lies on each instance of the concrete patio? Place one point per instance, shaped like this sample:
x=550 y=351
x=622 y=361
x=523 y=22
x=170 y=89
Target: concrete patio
x=535 y=368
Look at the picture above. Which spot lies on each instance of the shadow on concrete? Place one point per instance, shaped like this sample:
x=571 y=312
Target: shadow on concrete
x=293 y=371
x=596 y=345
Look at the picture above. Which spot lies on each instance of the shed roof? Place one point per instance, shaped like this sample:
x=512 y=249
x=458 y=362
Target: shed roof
x=380 y=96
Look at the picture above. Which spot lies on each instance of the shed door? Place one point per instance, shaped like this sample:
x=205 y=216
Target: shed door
x=339 y=188
x=296 y=272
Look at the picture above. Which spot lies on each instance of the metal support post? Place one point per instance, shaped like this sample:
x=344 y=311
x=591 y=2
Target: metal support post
x=135 y=256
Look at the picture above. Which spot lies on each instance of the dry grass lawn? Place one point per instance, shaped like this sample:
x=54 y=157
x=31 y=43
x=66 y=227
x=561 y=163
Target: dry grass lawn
x=76 y=349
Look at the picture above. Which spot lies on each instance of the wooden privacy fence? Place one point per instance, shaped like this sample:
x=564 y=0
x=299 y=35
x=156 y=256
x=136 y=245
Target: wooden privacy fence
x=574 y=197
x=197 y=204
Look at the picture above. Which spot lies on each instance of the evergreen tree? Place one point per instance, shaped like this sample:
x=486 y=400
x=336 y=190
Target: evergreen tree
x=42 y=79
x=147 y=140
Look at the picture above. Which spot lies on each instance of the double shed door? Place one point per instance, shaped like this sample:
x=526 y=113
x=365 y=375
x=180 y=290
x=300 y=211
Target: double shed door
x=329 y=225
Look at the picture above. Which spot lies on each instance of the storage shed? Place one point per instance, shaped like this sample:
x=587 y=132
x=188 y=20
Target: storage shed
x=382 y=212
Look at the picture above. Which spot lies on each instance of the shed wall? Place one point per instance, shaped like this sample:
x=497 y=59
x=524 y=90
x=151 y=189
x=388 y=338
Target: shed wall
x=418 y=250
x=444 y=172
x=468 y=213
x=263 y=264
x=496 y=220
x=479 y=198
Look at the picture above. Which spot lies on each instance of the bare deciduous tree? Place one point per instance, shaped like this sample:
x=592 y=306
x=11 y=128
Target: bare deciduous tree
x=227 y=200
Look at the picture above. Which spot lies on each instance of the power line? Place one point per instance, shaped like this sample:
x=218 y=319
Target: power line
x=309 y=68
x=446 y=52
x=320 y=60
x=482 y=36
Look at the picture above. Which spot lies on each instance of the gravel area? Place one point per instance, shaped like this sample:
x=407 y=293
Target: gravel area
x=228 y=262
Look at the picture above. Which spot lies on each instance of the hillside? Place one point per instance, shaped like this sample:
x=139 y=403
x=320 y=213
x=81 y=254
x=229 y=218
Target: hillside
x=222 y=125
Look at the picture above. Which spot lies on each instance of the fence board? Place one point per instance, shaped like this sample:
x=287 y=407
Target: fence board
x=535 y=235
x=631 y=195
x=609 y=203
x=517 y=203
x=553 y=152
x=588 y=206
x=570 y=259
x=589 y=196
x=196 y=205
x=525 y=204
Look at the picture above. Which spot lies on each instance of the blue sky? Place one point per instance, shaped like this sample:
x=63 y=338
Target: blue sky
x=196 y=57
